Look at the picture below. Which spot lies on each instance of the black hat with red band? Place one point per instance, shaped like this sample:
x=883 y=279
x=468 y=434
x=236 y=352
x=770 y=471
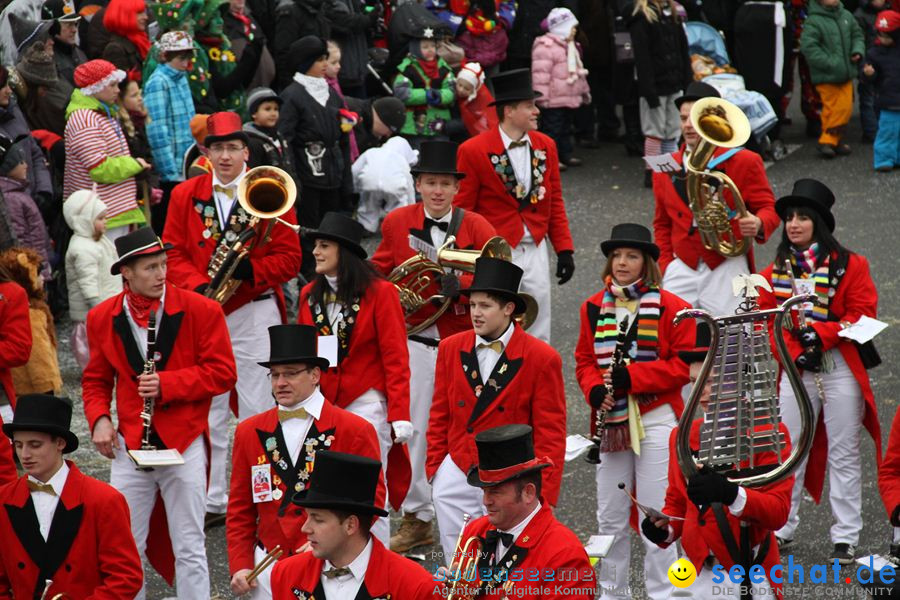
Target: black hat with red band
x=140 y=242
x=505 y=453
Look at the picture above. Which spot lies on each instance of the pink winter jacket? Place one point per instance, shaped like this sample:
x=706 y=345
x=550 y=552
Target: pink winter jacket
x=550 y=75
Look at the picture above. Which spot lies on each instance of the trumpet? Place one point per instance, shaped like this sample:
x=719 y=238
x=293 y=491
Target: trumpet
x=464 y=567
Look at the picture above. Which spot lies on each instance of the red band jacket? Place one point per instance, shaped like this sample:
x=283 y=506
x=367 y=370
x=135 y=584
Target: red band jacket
x=194 y=363
x=15 y=348
x=375 y=355
x=855 y=296
x=889 y=474
x=526 y=386
x=89 y=552
x=193 y=228
x=766 y=510
x=491 y=190
x=278 y=521
x=546 y=561
x=674 y=230
x=388 y=575
x=655 y=382
x=402 y=224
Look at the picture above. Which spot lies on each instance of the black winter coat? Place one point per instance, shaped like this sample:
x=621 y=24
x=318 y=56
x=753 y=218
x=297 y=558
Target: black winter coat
x=296 y=19
x=351 y=27
x=886 y=60
x=67 y=57
x=309 y=128
x=264 y=151
x=660 y=55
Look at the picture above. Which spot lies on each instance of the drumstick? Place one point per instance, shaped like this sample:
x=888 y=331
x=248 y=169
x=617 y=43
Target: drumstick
x=650 y=512
x=267 y=560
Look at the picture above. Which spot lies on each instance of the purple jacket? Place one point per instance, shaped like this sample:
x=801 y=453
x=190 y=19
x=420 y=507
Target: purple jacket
x=29 y=227
x=550 y=75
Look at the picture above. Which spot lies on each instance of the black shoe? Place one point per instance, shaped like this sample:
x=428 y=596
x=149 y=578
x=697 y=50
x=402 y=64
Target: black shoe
x=574 y=162
x=563 y=167
x=813 y=129
x=783 y=542
x=826 y=150
x=884 y=169
x=213 y=520
x=842 y=150
x=648 y=179
x=843 y=553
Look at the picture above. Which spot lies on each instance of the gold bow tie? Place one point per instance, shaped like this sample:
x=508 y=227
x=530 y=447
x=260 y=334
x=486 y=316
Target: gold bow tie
x=34 y=486
x=631 y=305
x=496 y=346
x=297 y=413
x=336 y=572
x=518 y=144
x=228 y=191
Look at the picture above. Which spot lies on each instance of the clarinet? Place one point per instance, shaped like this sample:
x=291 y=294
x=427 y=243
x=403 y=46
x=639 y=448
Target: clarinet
x=803 y=318
x=149 y=368
x=599 y=437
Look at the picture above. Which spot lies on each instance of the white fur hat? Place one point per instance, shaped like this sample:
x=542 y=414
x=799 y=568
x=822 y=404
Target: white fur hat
x=473 y=74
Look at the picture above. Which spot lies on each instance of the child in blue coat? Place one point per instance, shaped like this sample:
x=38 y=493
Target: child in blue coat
x=882 y=68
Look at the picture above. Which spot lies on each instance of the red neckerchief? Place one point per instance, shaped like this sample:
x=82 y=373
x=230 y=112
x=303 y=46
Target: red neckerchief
x=430 y=68
x=245 y=20
x=140 y=306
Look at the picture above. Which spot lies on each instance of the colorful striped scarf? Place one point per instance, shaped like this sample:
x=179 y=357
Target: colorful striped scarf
x=810 y=265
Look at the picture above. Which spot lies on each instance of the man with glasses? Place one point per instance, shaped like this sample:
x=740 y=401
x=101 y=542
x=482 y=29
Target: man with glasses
x=204 y=213
x=274 y=454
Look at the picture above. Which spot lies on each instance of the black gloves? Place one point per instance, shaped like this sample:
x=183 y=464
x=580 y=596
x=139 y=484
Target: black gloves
x=597 y=396
x=243 y=270
x=450 y=286
x=621 y=380
x=201 y=289
x=707 y=487
x=810 y=360
x=654 y=533
x=808 y=337
x=565 y=266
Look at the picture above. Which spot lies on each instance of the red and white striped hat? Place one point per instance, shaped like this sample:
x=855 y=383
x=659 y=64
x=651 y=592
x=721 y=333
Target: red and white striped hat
x=94 y=75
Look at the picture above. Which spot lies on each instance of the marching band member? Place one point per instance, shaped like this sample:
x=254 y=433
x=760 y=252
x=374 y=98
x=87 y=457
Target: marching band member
x=83 y=522
x=519 y=533
x=628 y=344
x=274 y=453
x=406 y=232
x=833 y=368
x=719 y=538
x=193 y=363
x=889 y=483
x=15 y=349
x=513 y=181
x=203 y=214
x=350 y=303
x=344 y=561
x=703 y=277
x=491 y=375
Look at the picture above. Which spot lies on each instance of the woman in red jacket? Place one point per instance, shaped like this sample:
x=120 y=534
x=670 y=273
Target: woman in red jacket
x=15 y=348
x=627 y=364
x=351 y=303
x=833 y=368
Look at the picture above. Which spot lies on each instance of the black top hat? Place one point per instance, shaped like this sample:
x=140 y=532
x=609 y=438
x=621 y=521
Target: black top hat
x=343 y=482
x=695 y=91
x=630 y=235
x=45 y=413
x=504 y=453
x=500 y=277
x=437 y=157
x=58 y=10
x=809 y=193
x=343 y=230
x=513 y=86
x=701 y=345
x=294 y=343
x=140 y=242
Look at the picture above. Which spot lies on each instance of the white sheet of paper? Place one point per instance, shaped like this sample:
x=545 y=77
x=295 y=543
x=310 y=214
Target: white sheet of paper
x=598 y=545
x=662 y=163
x=878 y=561
x=576 y=444
x=328 y=349
x=157 y=458
x=863 y=330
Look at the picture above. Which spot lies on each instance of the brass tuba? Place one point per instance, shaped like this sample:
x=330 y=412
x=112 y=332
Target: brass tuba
x=265 y=193
x=720 y=124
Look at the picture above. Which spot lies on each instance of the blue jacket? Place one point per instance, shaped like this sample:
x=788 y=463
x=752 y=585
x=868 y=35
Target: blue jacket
x=886 y=60
x=167 y=96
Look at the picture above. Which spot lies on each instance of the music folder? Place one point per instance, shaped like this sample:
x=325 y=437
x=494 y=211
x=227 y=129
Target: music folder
x=156 y=458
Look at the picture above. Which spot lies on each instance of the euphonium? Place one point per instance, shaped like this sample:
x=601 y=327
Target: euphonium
x=464 y=566
x=720 y=124
x=265 y=193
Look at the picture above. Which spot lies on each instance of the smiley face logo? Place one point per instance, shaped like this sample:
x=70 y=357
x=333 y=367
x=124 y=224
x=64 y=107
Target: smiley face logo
x=682 y=573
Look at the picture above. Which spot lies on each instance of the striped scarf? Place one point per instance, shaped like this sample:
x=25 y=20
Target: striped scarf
x=605 y=335
x=810 y=265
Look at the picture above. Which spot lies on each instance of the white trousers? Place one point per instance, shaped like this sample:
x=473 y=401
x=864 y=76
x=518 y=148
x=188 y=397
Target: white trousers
x=535 y=263
x=248 y=327
x=422 y=362
x=263 y=589
x=842 y=410
x=704 y=588
x=183 y=490
x=709 y=289
x=646 y=476
x=372 y=406
x=453 y=496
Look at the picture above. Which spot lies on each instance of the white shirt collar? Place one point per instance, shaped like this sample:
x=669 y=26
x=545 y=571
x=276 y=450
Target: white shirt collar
x=518 y=529
x=313 y=404
x=508 y=140
x=332 y=281
x=232 y=184
x=445 y=219
x=504 y=339
x=58 y=481
x=359 y=565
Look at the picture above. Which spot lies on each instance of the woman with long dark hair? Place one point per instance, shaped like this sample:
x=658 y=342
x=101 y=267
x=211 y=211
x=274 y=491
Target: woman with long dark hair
x=356 y=309
x=833 y=368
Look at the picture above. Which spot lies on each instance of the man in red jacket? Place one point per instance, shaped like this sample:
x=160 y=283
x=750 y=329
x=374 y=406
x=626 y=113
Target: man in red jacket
x=493 y=374
x=343 y=559
x=62 y=531
x=512 y=179
x=699 y=276
x=420 y=229
x=15 y=348
x=889 y=484
x=192 y=363
x=204 y=215
x=274 y=453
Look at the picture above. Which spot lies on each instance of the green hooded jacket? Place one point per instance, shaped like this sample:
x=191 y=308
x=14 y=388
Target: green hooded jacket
x=830 y=37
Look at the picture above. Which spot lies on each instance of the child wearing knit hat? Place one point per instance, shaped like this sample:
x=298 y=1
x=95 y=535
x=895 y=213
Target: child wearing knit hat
x=474 y=99
x=27 y=223
x=882 y=68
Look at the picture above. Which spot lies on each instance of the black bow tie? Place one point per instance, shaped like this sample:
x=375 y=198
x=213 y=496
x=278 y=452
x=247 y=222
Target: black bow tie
x=442 y=225
x=495 y=535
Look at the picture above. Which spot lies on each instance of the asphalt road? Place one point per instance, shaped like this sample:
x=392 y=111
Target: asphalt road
x=605 y=191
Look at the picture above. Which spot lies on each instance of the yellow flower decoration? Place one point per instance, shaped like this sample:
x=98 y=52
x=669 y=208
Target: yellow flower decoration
x=228 y=55
x=215 y=53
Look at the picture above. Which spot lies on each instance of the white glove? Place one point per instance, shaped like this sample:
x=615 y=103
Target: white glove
x=403 y=430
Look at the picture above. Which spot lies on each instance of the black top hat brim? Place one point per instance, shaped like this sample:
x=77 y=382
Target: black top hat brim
x=475 y=481
x=436 y=171
x=318 y=361
x=343 y=241
x=308 y=499
x=534 y=95
x=785 y=202
x=232 y=135
x=71 y=438
x=116 y=266
x=693 y=355
x=649 y=247
x=521 y=307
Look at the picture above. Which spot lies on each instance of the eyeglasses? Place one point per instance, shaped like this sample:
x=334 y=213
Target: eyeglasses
x=230 y=149
x=289 y=375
